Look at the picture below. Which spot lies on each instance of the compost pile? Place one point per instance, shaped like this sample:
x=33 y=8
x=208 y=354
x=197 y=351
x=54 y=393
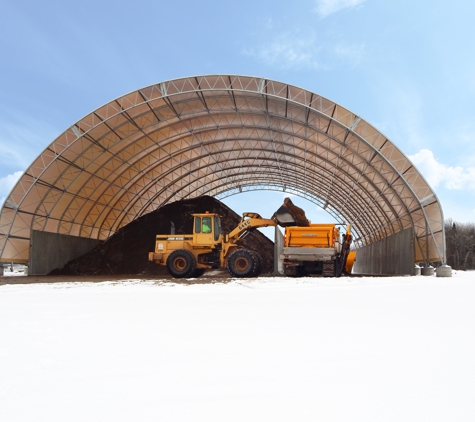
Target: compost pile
x=126 y=252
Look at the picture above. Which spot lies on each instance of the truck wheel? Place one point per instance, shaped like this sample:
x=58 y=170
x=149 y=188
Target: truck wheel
x=242 y=263
x=293 y=271
x=181 y=263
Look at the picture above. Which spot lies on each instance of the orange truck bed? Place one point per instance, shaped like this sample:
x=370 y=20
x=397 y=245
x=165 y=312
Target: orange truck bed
x=313 y=236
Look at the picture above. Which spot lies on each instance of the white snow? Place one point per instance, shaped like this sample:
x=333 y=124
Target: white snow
x=265 y=349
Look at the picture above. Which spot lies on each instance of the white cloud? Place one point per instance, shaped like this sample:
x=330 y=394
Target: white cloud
x=295 y=50
x=398 y=111
x=7 y=183
x=288 y=50
x=328 y=7
x=353 y=53
x=436 y=173
x=269 y=24
x=22 y=138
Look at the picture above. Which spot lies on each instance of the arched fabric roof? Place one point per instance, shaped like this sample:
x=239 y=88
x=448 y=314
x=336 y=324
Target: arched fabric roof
x=219 y=135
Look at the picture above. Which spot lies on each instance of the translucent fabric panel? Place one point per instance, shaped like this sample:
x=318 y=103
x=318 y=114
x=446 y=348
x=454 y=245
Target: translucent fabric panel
x=16 y=250
x=343 y=116
x=183 y=107
x=21 y=224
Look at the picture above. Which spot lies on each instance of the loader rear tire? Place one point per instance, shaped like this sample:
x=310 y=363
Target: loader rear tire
x=181 y=263
x=243 y=263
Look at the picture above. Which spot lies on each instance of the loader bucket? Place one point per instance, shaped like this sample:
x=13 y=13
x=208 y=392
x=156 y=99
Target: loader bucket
x=290 y=215
x=284 y=218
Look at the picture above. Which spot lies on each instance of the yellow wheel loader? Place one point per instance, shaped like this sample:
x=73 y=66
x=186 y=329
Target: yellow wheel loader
x=189 y=255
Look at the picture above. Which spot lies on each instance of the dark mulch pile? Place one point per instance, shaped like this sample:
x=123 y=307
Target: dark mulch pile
x=126 y=252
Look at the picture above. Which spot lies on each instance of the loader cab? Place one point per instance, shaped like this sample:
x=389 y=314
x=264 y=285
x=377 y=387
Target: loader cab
x=207 y=229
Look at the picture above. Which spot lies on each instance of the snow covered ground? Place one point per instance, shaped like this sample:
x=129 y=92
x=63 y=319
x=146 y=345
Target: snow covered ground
x=266 y=349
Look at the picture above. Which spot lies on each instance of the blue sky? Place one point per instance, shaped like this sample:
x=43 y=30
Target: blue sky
x=405 y=66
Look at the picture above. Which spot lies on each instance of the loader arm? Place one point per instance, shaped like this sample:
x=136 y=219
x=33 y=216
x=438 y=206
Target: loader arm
x=249 y=221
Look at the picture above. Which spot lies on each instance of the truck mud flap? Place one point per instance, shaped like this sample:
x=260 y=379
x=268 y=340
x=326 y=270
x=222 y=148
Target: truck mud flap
x=328 y=269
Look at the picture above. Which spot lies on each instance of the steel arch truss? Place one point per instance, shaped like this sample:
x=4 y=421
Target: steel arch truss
x=219 y=135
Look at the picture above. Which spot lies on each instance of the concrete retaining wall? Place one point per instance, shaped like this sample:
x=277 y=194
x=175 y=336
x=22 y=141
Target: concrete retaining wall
x=49 y=251
x=389 y=256
x=278 y=247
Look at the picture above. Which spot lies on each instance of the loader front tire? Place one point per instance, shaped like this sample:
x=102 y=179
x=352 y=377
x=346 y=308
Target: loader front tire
x=260 y=264
x=242 y=263
x=181 y=264
x=198 y=272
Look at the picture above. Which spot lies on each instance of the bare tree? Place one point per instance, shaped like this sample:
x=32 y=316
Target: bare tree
x=460 y=243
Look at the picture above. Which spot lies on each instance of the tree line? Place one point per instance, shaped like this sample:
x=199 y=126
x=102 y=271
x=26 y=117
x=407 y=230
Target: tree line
x=460 y=245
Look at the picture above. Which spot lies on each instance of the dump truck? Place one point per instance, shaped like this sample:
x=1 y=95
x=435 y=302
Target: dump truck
x=317 y=249
x=311 y=249
x=190 y=255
